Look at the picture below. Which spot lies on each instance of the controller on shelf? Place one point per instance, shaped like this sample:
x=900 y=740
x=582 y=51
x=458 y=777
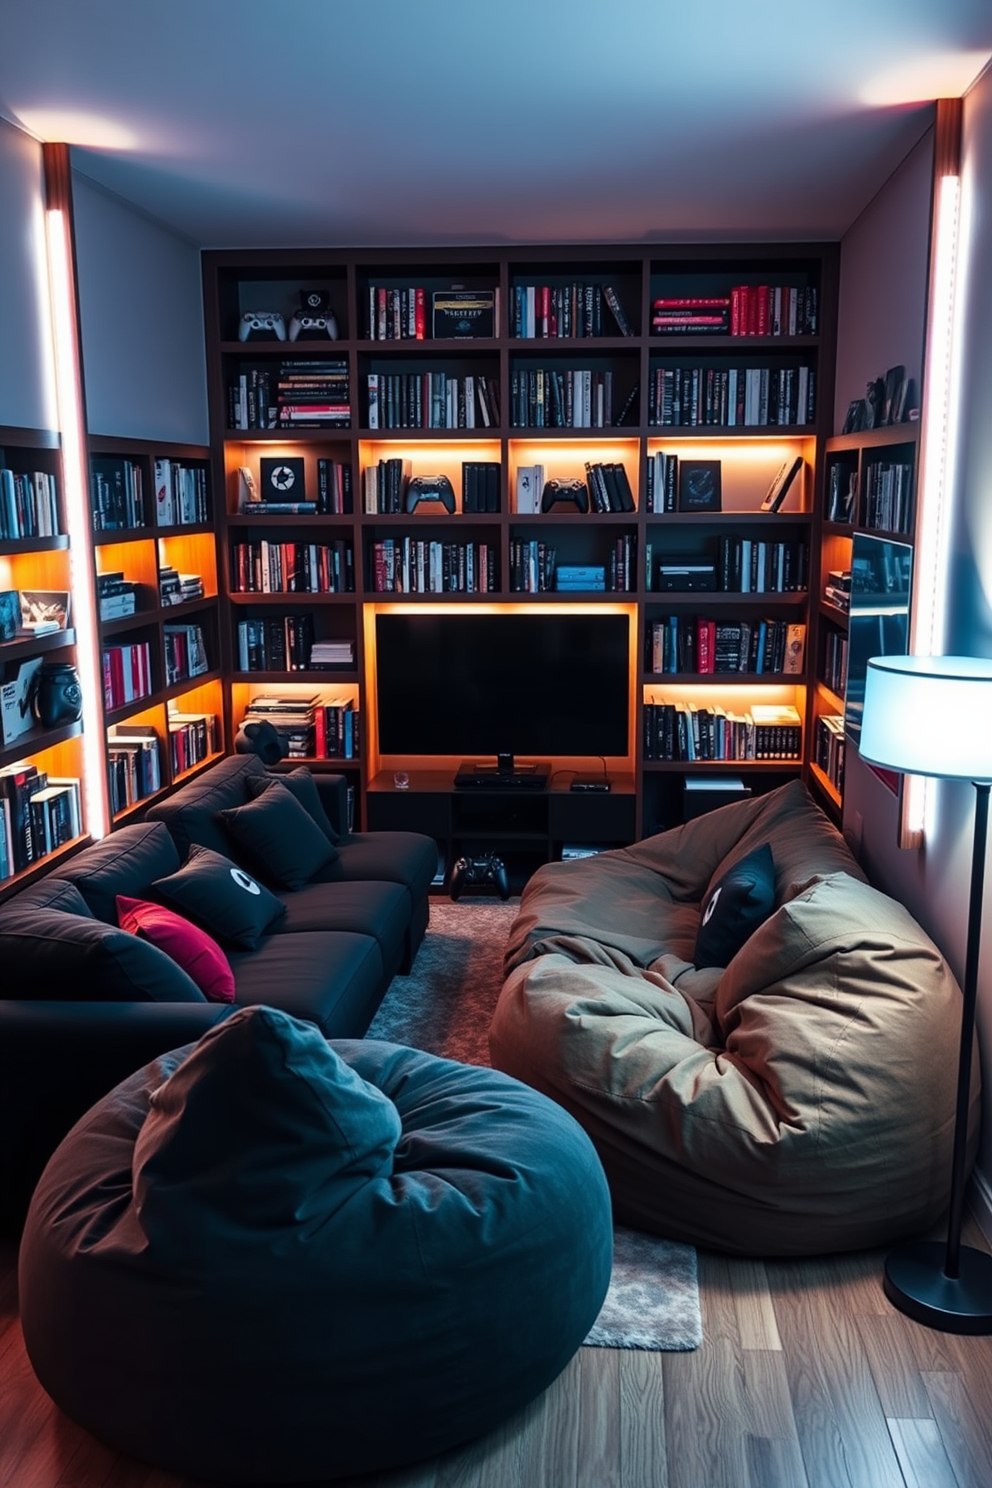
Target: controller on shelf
x=488 y=870
x=429 y=488
x=262 y=322
x=572 y=491
x=314 y=317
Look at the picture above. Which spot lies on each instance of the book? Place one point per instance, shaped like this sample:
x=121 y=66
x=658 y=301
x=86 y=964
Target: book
x=616 y=310
x=782 y=480
x=463 y=313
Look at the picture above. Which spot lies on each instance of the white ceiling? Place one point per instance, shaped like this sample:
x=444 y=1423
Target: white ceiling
x=336 y=122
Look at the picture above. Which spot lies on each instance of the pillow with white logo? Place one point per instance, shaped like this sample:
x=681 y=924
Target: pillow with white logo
x=223 y=898
x=736 y=905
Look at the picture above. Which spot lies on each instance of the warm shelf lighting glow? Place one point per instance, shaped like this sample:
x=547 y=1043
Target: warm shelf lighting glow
x=84 y=608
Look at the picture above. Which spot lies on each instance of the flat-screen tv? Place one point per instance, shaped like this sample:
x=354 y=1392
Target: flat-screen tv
x=533 y=684
x=881 y=577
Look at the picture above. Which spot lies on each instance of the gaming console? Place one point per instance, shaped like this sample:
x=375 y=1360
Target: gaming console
x=429 y=488
x=485 y=871
x=262 y=323
x=574 y=492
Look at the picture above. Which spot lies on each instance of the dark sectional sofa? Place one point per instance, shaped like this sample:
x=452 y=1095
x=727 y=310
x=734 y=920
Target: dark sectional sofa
x=84 y=1003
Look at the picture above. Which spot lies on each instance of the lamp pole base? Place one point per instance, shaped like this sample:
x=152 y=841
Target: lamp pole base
x=915 y=1282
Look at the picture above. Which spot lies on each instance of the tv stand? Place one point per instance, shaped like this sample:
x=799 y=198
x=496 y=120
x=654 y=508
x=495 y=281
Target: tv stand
x=506 y=774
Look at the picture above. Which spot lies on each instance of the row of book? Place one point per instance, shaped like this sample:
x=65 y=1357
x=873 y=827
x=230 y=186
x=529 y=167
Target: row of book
x=193 y=738
x=400 y=314
x=698 y=645
x=539 y=311
x=117 y=497
x=127 y=674
x=275 y=643
x=835 y=648
x=532 y=566
x=731 y=397
x=551 y=398
x=842 y=492
x=685 y=732
x=38 y=814
x=185 y=650
x=887 y=497
x=609 y=487
x=28 y=503
x=432 y=400
x=134 y=764
x=259 y=566
x=747 y=310
x=480 y=486
x=181 y=498
x=762 y=566
x=829 y=748
x=408 y=565
x=301 y=394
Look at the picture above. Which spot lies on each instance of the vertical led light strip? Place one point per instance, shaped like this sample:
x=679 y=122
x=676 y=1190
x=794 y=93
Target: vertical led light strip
x=936 y=454
x=69 y=391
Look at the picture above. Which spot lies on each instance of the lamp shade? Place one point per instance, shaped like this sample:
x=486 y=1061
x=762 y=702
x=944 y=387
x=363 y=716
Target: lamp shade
x=929 y=715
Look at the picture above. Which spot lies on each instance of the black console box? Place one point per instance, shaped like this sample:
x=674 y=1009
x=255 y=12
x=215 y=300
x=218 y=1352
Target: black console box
x=473 y=776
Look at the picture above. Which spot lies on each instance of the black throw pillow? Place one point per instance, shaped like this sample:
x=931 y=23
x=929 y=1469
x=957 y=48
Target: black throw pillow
x=217 y=894
x=280 y=836
x=303 y=786
x=737 y=904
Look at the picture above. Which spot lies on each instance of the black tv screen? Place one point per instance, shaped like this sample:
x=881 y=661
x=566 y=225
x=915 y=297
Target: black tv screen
x=528 y=684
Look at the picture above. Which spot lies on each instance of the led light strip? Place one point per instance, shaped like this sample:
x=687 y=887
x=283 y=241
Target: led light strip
x=68 y=384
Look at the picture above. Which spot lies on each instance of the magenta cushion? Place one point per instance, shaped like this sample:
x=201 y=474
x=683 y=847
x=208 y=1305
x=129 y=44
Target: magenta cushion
x=190 y=947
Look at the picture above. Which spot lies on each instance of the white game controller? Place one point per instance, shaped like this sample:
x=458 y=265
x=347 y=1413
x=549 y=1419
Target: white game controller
x=266 y=321
x=314 y=322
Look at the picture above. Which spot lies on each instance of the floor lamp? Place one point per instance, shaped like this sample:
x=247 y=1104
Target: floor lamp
x=932 y=715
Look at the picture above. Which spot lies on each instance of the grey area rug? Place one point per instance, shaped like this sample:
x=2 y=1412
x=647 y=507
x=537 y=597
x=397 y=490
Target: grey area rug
x=445 y=1006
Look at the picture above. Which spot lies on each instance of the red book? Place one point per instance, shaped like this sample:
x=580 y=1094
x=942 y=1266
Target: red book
x=694 y=302
x=117 y=695
x=705 y=645
x=319 y=733
x=419 y=312
x=763 y=311
x=544 y=311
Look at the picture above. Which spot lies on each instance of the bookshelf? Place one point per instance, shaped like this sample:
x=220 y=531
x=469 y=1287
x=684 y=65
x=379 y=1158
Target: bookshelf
x=546 y=377
x=869 y=487
x=154 y=534
x=34 y=555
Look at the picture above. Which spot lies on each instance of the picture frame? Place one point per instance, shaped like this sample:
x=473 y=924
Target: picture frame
x=700 y=486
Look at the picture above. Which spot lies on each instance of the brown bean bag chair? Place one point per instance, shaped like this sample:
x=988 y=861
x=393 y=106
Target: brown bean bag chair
x=798 y=1100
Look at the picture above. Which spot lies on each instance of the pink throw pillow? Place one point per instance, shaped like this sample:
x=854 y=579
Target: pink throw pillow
x=190 y=947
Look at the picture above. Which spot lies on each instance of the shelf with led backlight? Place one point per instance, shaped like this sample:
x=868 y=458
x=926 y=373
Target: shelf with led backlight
x=571 y=439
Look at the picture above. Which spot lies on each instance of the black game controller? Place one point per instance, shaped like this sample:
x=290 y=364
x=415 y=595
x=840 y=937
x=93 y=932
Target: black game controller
x=314 y=317
x=487 y=870
x=572 y=491
x=430 y=488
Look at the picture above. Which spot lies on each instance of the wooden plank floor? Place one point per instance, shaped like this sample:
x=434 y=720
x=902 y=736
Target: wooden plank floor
x=806 y=1378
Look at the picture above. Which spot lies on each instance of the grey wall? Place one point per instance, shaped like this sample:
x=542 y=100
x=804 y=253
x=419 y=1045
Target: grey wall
x=934 y=883
x=27 y=389
x=141 y=320
x=883 y=281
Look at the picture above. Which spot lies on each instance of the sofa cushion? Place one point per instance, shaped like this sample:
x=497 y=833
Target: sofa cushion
x=221 y=897
x=191 y=814
x=283 y=842
x=333 y=978
x=51 y=954
x=50 y=893
x=408 y=858
x=304 y=788
x=381 y=910
x=188 y=945
x=126 y=862
x=740 y=901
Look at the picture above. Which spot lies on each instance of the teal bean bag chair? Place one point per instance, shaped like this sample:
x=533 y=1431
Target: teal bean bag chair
x=267 y=1257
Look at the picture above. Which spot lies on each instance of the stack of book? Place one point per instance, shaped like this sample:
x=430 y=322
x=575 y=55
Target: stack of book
x=575 y=578
x=609 y=487
x=838 y=589
x=332 y=654
x=134 y=760
x=293 y=718
x=308 y=394
x=116 y=596
x=180 y=494
x=566 y=310
x=694 y=315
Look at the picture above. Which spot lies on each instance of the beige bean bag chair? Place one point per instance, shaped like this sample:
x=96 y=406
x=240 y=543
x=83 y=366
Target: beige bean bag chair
x=799 y=1099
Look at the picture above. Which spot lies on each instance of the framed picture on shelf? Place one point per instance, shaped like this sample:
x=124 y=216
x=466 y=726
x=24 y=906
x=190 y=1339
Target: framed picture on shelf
x=699 y=486
x=44 y=610
x=283 y=480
